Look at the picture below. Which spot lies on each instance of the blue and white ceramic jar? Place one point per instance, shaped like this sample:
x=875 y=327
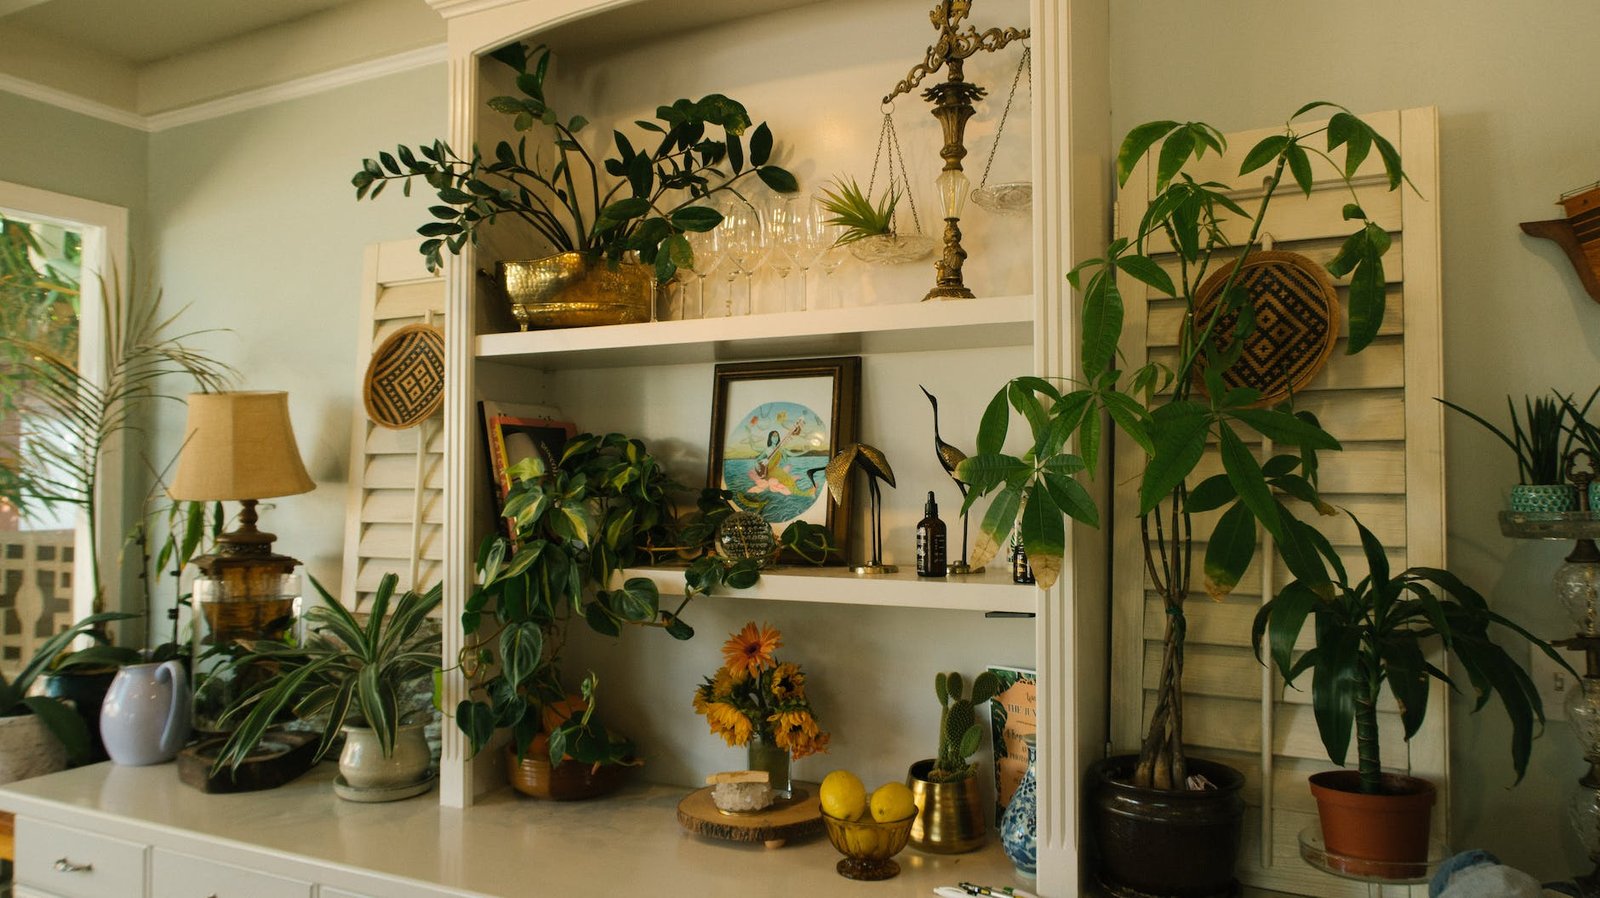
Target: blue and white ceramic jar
x=1019 y=824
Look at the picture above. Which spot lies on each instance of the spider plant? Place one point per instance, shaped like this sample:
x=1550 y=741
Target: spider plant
x=853 y=210
x=352 y=673
x=1535 y=439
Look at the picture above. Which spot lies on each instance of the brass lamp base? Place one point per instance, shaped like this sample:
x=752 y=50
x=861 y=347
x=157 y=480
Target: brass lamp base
x=874 y=569
x=942 y=292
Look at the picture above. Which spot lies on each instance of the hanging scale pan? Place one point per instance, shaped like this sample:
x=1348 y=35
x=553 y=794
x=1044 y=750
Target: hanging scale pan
x=1296 y=323
x=405 y=379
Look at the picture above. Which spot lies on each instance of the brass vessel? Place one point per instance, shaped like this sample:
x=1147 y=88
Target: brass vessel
x=572 y=290
x=950 y=818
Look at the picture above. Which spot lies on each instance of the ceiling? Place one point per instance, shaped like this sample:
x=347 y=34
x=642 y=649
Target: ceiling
x=145 y=31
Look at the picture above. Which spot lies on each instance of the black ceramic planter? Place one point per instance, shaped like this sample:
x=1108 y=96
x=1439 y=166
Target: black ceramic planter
x=87 y=692
x=1151 y=843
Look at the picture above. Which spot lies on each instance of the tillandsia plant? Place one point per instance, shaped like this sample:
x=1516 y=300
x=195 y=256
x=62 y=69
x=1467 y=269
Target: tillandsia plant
x=1372 y=633
x=658 y=194
x=1173 y=413
x=753 y=694
x=960 y=735
x=1540 y=440
x=345 y=673
x=854 y=211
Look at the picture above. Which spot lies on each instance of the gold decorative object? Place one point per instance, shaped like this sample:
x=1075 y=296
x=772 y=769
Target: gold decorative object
x=952 y=105
x=876 y=465
x=951 y=819
x=949 y=457
x=571 y=290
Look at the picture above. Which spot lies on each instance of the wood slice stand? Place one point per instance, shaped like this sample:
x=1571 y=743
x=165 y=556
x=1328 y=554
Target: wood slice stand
x=285 y=756
x=797 y=817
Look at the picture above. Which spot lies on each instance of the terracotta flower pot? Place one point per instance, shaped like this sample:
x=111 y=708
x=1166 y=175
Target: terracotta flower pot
x=567 y=781
x=1389 y=828
x=1154 y=842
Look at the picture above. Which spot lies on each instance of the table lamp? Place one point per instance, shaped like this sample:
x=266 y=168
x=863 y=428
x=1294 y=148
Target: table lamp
x=240 y=447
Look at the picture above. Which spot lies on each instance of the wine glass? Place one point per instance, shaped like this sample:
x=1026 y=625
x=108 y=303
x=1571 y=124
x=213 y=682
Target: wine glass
x=707 y=258
x=785 y=225
x=832 y=256
x=807 y=239
x=722 y=248
x=746 y=246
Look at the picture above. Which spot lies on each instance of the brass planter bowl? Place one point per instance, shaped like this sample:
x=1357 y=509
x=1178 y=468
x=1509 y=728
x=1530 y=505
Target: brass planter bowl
x=950 y=818
x=572 y=290
x=567 y=781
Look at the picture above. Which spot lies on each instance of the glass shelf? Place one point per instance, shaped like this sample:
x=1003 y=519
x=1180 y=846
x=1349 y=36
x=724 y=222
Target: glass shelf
x=1550 y=524
x=1393 y=873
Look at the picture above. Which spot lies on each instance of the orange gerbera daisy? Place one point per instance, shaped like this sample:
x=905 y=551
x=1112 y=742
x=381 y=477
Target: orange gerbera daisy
x=750 y=650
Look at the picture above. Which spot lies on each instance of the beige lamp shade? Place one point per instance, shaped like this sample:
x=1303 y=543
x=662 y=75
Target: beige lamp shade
x=239 y=446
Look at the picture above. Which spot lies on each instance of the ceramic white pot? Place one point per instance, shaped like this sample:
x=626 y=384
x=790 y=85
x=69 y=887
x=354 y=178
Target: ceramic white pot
x=363 y=765
x=28 y=749
x=146 y=715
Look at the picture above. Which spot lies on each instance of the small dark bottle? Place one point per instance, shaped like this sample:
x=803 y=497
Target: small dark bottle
x=1021 y=570
x=930 y=541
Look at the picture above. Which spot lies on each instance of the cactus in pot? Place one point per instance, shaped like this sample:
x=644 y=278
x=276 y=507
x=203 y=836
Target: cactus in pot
x=959 y=732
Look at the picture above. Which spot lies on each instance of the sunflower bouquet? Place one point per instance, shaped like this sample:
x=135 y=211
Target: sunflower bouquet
x=754 y=694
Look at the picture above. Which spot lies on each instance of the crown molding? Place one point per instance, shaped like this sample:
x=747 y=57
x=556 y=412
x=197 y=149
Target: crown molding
x=72 y=102
x=244 y=100
x=299 y=87
x=450 y=9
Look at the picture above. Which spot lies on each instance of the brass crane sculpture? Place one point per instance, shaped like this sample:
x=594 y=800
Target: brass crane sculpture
x=872 y=461
x=949 y=457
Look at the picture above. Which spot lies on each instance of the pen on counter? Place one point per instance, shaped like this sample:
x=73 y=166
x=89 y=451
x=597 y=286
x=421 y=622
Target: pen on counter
x=972 y=888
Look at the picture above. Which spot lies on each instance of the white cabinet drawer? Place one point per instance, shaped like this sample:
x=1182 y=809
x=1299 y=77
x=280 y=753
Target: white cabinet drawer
x=77 y=864
x=175 y=875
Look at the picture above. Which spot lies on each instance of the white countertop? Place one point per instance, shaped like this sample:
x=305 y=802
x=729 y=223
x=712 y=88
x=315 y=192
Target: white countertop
x=627 y=844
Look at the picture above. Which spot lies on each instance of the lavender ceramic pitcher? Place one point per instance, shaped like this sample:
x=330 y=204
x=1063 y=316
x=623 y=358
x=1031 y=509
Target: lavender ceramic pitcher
x=145 y=718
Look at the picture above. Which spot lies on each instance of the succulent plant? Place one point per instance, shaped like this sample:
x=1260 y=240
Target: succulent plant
x=959 y=732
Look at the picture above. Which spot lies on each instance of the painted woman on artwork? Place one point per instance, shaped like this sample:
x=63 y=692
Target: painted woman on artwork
x=770 y=474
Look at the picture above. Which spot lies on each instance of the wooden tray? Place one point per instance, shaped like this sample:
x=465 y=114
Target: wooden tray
x=283 y=757
x=798 y=817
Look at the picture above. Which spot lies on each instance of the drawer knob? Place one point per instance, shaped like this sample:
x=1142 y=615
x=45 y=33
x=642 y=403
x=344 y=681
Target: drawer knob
x=62 y=865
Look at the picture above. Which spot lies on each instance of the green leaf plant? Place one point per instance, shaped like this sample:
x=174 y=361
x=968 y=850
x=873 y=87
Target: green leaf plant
x=656 y=193
x=347 y=672
x=1373 y=633
x=606 y=505
x=57 y=716
x=1173 y=413
x=1541 y=438
x=960 y=734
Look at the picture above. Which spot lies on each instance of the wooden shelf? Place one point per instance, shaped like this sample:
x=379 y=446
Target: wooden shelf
x=903 y=327
x=988 y=591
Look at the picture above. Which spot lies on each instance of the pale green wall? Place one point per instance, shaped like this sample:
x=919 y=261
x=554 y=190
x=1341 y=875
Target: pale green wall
x=50 y=148
x=1519 y=119
x=257 y=225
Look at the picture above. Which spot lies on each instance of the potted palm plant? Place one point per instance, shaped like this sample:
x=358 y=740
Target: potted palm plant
x=1164 y=823
x=42 y=733
x=358 y=680
x=692 y=151
x=1540 y=440
x=1373 y=634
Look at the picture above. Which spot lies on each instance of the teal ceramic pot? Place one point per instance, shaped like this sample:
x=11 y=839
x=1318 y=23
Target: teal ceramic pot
x=1594 y=498
x=1554 y=497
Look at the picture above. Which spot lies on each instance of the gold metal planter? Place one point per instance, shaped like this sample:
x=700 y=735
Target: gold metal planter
x=571 y=290
x=951 y=814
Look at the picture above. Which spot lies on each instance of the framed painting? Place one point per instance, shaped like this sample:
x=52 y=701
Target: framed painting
x=512 y=433
x=774 y=426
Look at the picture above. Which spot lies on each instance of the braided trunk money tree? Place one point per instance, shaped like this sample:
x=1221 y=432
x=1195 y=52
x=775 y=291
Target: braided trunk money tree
x=1173 y=413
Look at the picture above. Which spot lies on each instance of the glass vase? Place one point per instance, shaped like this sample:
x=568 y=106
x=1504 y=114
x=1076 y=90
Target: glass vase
x=1019 y=825
x=764 y=754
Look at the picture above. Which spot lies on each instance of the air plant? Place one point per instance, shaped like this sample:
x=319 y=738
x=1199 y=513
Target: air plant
x=854 y=211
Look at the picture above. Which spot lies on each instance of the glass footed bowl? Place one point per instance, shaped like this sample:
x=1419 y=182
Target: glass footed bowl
x=1010 y=198
x=868 y=846
x=892 y=249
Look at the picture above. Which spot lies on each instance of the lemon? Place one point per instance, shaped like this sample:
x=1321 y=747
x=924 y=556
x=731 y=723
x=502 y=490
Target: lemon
x=892 y=801
x=843 y=796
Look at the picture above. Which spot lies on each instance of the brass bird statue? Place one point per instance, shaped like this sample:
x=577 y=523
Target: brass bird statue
x=872 y=461
x=949 y=457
